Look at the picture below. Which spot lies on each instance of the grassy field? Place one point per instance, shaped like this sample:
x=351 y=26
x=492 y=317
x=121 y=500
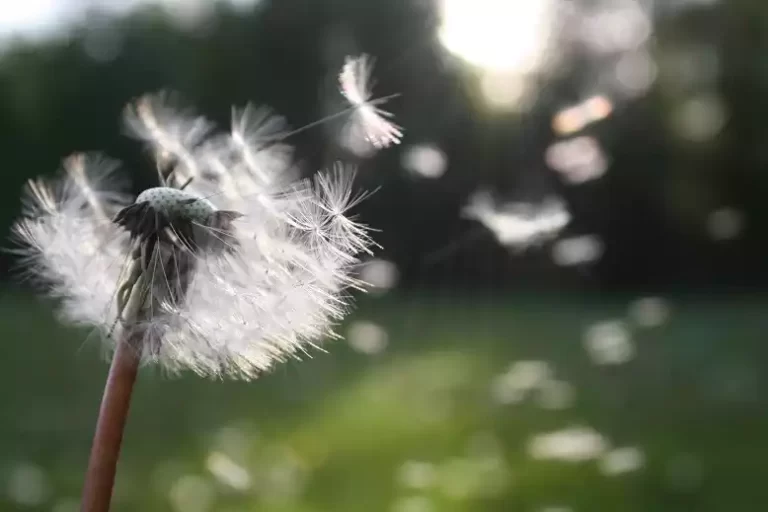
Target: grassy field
x=422 y=426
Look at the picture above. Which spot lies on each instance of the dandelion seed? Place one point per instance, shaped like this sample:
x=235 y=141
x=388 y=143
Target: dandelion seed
x=228 y=472
x=414 y=474
x=572 y=444
x=379 y=275
x=609 y=342
x=425 y=160
x=622 y=460
x=28 y=485
x=192 y=493
x=649 y=312
x=518 y=225
x=368 y=122
x=577 y=250
x=367 y=337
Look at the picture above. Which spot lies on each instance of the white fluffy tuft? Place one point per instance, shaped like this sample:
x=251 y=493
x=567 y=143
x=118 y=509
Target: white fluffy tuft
x=278 y=293
x=71 y=246
x=368 y=122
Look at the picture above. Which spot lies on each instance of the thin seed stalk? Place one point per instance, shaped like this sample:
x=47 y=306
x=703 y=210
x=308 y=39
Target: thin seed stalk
x=113 y=413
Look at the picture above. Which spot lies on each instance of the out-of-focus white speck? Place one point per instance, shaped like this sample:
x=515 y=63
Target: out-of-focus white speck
x=192 y=493
x=425 y=160
x=635 y=73
x=513 y=385
x=622 y=460
x=609 y=342
x=621 y=28
x=367 y=337
x=649 y=312
x=725 y=224
x=380 y=275
x=416 y=474
x=578 y=250
x=578 y=160
x=28 y=485
x=231 y=440
x=574 y=444
x=518 y=225
x=228 y=472
x=700 y=118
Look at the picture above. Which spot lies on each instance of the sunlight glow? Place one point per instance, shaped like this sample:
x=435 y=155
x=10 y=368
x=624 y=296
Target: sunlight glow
x=498 y=35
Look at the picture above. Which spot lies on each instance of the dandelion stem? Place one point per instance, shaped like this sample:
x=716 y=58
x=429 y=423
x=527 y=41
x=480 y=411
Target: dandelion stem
x=100 y=477
x=105 y=450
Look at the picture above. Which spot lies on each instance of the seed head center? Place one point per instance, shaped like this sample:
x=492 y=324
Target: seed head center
x=178 y=204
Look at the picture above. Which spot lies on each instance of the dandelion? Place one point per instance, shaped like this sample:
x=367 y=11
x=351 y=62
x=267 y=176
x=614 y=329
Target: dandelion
x=367 y=121
x=225 y=269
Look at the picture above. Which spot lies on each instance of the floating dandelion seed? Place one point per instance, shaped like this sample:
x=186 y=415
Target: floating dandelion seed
x=425 y=160
x=225 y=269
x=649 y=312
x=572 y=444
x=368 y=121
x=519 y=380
x=28 y=485
x=622 y=460
x=518 y=225
x=609 y=342
x=577 y=250
x=192 y=493
x=228 y=472
x=578 y=160
x=416 y=474
x=367 y=337
x=379 y=275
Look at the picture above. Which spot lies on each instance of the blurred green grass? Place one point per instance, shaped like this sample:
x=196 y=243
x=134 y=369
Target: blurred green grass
x=412 y=429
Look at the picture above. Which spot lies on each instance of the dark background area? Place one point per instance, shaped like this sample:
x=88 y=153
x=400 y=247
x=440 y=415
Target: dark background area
x=650 y=208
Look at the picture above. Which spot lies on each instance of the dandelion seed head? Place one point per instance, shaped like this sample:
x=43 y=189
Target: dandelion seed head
x=177 y=203
x=236 y=265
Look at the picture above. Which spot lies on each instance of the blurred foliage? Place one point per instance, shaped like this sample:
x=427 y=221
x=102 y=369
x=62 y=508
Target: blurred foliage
x=418 y=423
